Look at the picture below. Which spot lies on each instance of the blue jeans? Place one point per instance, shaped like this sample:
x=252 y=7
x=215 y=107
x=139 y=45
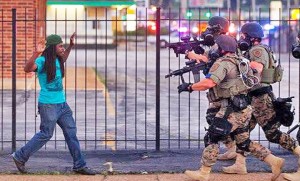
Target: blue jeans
x=50 y=115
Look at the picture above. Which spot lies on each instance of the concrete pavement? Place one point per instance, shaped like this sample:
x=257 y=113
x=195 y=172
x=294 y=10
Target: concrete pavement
x=144 y=177
x=136 y=165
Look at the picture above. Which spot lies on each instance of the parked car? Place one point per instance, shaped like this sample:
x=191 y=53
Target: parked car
x=165 y=39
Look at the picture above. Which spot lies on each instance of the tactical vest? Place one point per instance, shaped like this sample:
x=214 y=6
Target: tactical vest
x=232 y=84
x=271 y=73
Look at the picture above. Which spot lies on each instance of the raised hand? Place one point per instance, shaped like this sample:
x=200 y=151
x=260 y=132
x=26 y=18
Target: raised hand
x=72 y=42
x=40 y=47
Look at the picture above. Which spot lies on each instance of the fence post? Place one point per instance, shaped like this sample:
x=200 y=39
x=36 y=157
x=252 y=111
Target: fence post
x=13 y=80
x=157 y=79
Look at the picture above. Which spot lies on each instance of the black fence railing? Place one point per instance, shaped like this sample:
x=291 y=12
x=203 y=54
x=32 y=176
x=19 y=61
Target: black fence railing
x=115 y=77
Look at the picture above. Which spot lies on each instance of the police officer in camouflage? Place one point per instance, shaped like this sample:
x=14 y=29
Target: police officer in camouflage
x=217 y=25
x=262 y=97
x=234 y=114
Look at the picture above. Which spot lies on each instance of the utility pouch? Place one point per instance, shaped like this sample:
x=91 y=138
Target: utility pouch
x=211 y=96
x=278 y=73
x=240 y=102
x=272 y=75
x=284 y=112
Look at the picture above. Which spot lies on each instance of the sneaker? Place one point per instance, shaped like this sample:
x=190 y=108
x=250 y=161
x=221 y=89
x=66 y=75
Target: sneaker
x=20 y=166
x=85 y=171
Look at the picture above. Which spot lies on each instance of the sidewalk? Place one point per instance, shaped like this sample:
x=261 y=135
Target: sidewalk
x=135 y=165
x=145 y=177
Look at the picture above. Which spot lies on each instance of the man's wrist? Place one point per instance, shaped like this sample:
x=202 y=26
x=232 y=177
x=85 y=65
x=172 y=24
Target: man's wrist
x=36 y=53
x=190 y=88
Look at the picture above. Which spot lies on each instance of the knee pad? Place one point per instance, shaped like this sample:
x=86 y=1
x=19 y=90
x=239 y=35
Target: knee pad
x=219 y=129
x=244 y=146
x=210 y=114
x=273 y=135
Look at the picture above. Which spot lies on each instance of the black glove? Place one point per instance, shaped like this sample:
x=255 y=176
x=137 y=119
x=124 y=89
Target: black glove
x=185 y=87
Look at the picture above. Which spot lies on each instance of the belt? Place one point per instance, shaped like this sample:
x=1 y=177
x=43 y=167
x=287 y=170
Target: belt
x=224 y=102
x=260 y=91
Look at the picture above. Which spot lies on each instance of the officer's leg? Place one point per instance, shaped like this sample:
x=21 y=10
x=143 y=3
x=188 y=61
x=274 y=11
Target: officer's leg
x=218 y=129
x=274 y=135
x=263 y=154
x=241 y=136
x=209 y=158
x=230 y=145
x=265 y=116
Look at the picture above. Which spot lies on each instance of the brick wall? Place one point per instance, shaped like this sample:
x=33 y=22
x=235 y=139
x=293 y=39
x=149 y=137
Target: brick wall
x=30 y=29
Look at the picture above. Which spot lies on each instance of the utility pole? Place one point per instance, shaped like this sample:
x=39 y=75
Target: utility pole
x=229 y=4
x=238 y=6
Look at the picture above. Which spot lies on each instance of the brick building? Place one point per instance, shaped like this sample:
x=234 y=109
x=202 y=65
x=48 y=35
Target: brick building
x=29 y=31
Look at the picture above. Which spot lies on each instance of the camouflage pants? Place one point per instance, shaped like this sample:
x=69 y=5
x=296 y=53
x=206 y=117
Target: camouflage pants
x=239 y=121
x=264 y=114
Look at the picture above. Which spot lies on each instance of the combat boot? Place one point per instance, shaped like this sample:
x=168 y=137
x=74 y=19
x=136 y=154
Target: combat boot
x=294 y=176
x=230 y=153
x=276 y=164
x=239 y=167
x=201 y=175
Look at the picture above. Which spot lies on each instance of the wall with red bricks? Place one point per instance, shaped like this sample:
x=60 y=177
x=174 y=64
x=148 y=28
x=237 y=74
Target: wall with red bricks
x=30 y=29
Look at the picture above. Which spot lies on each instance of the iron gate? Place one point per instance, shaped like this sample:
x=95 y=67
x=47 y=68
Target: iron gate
x=115 y=81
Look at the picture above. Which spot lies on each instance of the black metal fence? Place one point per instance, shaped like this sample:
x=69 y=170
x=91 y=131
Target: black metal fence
x=115 y=78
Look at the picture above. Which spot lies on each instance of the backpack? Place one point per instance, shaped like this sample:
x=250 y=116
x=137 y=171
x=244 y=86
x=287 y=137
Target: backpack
x=273 y=73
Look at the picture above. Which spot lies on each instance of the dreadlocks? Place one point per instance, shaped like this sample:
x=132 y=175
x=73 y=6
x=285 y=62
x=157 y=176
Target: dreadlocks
x=50 y=68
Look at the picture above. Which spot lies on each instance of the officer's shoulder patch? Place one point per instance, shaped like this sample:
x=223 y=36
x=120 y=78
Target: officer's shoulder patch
x=257 y=53
x=214 y=67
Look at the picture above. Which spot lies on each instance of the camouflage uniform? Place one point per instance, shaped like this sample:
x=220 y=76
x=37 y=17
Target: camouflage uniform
x=263 y=110
x=222 y=72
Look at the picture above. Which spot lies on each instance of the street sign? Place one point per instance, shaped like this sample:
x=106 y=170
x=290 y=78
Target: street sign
x=206 y=3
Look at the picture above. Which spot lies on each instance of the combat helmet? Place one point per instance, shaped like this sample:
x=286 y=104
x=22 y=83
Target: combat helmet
x=253 y=29
x=218 y=20
x=227 y=43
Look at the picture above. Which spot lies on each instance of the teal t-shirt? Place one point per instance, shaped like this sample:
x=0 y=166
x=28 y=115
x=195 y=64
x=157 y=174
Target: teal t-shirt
x=52 y=92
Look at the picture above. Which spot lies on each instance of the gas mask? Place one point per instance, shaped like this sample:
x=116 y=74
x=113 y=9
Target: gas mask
x=214 y=54
x=208 y=34
x=296 y=50
x=208 y=37
x=244 y=43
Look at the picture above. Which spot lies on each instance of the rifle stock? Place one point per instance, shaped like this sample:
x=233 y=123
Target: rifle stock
x=191 y=65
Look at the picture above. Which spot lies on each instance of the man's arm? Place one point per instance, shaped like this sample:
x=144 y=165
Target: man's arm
x=204 y=84
x=30 y=65
x=68 y=50
x=257 y=66
x=199 y=58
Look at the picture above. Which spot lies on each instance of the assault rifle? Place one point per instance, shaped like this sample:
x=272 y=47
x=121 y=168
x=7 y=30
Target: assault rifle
x=191 y=65
x=187 y=44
